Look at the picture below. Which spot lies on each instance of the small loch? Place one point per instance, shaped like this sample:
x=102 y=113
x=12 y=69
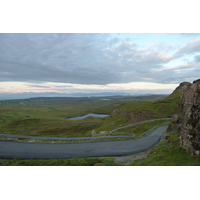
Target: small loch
x=88 y=115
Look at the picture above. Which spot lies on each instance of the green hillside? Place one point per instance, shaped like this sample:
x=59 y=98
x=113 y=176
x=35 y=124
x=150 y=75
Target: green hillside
x=143 y=110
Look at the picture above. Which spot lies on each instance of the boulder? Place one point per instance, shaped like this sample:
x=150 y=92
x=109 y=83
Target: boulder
x=104 y=133
x=94 y=133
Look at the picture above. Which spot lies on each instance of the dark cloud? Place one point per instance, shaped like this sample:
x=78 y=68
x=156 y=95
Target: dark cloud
x=70 y=58
x=40 y=86
x=190 y=34
x=113 y=41
x=197 y=58
x=63 y=86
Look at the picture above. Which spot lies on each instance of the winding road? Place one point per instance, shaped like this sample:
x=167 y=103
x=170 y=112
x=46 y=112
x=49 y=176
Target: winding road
x=23 y=150
x=86 y=138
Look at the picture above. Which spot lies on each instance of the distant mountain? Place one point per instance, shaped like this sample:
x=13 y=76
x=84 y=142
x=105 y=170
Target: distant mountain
x=25 y=95
x=102 y=94
x=7 y=96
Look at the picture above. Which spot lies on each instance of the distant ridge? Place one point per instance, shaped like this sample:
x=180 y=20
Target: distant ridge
x=25 y=95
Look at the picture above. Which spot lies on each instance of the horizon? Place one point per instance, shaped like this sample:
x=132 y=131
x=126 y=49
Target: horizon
x=27 y=95
x=133 y=63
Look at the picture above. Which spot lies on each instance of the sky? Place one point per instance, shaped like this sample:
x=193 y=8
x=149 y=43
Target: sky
x=142 y=63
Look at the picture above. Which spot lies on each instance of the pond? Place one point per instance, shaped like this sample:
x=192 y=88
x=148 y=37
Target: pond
x=88 y=115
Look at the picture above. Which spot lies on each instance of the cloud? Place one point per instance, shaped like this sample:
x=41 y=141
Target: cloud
x=64 y=86
x=190 y=48
x=113 y=41
x=177 y=74
x=190 y=34
x=182 y=66
x=88 y=59
x=69 y=58
x=39 y=86
x=197 y=58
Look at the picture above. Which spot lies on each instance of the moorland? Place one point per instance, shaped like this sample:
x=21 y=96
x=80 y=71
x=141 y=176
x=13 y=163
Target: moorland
x=49 y=117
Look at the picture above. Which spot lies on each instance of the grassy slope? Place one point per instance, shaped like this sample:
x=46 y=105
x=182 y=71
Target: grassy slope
x=138 y=130
x=159 y=109
x=60 y=162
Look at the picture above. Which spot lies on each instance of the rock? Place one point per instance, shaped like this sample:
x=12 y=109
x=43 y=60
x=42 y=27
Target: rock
x=104 y=133
x=186 y=120
x=175 y=118
x=115 y=113
x=165 y=136
x=94 y=133
x=197 y=152
x=137 y=117
x=133 y=117
x=101 y=133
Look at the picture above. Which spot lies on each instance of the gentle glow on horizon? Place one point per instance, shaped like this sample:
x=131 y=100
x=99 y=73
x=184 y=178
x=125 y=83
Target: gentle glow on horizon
x=20 y=87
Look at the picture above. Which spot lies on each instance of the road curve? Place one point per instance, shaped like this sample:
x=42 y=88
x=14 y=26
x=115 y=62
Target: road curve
x=23 y=150
x=151 y=120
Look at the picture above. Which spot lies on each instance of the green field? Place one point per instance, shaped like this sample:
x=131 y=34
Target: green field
x=48 y=117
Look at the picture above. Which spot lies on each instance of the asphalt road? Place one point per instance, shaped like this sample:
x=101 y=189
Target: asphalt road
x=23 y=150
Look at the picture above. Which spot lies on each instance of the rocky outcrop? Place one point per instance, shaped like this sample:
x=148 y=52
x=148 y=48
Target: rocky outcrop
x=141 y=116
x=179 y=88
x=186 y=119
x=107 y=133
x=132 y=116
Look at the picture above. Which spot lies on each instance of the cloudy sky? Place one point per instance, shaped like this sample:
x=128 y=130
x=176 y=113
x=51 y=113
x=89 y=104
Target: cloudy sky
x=71 y=63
